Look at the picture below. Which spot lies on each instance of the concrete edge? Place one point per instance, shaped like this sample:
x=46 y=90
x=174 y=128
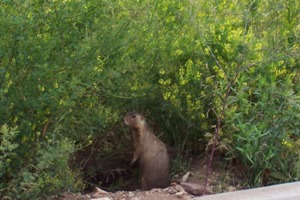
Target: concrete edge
x=286 y=191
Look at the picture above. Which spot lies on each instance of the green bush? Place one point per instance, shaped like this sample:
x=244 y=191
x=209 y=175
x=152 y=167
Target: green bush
x=265 y=131
x=7 y=153
x=70 y=69
x=47 y=172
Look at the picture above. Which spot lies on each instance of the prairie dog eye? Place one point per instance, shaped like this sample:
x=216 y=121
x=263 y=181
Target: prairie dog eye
x=133 y=116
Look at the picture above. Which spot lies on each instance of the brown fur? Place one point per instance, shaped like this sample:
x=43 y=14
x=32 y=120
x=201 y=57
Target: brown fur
x=149 y=151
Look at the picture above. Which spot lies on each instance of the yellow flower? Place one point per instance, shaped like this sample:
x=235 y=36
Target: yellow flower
x=287 y=143
x=55 y=85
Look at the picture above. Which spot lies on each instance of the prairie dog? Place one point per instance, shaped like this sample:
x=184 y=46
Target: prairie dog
x=150 y=152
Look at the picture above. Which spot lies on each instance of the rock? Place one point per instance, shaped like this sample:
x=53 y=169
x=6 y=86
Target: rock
x=135 y=198
x=101 y=198
x=156 y=190
x=180 y=193
x=179 y=188
x=185 y=177
x=171 y=190
x=231 y=189
x=98 y=193
x=130 y=194
x=193 y=188
x=209 y=190
x=173 y=183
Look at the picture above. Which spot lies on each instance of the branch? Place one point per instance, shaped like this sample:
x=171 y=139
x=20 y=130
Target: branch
x=218 y=127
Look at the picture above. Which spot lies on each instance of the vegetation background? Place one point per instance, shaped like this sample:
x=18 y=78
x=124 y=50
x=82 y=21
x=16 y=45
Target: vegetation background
x=223 y=73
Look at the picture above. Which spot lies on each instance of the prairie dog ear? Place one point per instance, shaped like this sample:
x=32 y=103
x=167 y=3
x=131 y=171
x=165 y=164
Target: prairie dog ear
x=142 y=117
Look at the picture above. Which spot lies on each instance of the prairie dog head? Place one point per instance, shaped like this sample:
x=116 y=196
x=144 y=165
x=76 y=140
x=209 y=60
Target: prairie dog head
x=134 y=120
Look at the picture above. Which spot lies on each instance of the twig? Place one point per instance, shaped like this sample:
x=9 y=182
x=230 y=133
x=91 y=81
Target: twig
x=218 y=127
x=45 y=127
x=92 y=152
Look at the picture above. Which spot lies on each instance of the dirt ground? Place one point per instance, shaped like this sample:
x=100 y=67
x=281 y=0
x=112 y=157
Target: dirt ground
x=222 y=179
